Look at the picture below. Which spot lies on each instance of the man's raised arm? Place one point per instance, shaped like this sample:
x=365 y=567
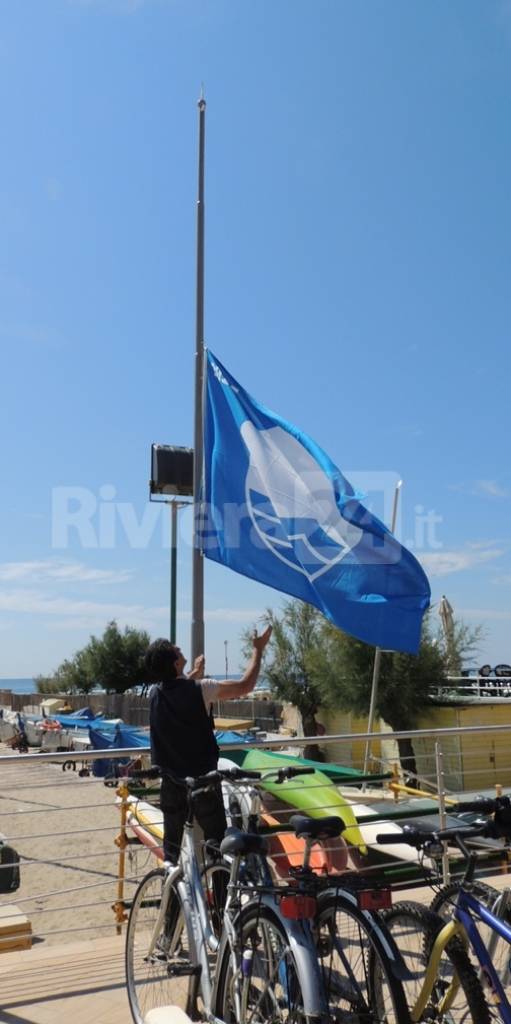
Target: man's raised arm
x=230 y=689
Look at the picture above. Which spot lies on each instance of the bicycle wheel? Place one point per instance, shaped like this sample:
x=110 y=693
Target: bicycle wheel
x=357 y=974
x=268 y=985
x=215 y=878
x=444 y=903
x=165 y=977
x=414 y=929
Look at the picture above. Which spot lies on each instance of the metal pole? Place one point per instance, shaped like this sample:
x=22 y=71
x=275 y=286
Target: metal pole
x=440 y=781
x=173 y=569
x=372 y=705
x=377 y=652
x=226 y=660
x=197 y=558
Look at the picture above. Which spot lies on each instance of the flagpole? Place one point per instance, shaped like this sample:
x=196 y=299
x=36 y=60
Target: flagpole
x=197 y=639
x=377 y=652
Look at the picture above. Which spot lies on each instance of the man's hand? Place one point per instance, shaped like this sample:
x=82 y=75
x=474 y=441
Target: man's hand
x=259 y=642
x=244 y=686
x=198 y=668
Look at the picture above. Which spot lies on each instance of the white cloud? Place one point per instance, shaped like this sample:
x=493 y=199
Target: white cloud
x=35 y=602
x=59 y=572
x=482 y=488
x=443 y=563
x=69 y=613
x=491 y=488
x=245 y=615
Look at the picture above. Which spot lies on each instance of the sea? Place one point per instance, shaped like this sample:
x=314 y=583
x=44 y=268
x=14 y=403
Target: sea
x=29 y=686
x=18 y=685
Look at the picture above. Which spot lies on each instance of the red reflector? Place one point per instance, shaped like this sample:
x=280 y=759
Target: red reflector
x=297 y=907
x=375 y=899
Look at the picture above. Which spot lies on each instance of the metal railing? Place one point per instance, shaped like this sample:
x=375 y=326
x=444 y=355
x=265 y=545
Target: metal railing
x=472 y=686
x=80 y=860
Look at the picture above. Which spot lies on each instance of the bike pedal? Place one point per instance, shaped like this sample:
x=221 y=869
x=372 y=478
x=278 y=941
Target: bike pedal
x=183 y=970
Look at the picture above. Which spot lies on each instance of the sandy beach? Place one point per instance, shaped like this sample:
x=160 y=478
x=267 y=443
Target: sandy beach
x=64 y=828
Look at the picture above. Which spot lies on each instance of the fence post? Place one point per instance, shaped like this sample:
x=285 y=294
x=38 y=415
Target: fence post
x=440 y=781
x=121 y=841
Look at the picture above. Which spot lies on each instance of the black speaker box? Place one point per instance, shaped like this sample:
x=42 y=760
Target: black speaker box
x=171 y=470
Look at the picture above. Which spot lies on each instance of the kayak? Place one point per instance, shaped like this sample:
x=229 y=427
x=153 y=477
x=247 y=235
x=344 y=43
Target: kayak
x=146 y=821
x=285 y=849
x=311 y=794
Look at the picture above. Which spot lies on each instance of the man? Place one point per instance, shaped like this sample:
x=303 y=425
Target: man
x=182 y=737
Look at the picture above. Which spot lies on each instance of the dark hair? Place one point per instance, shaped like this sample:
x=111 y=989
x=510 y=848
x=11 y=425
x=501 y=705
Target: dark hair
x=160 y=661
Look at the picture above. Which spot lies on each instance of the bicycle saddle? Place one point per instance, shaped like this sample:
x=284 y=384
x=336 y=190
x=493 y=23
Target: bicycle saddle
x=316 y=828
x=235 y=842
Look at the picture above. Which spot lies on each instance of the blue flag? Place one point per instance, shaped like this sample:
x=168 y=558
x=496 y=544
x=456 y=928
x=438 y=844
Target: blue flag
x=278 y=510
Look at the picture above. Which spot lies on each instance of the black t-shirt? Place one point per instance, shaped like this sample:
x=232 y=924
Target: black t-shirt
x=182 y=737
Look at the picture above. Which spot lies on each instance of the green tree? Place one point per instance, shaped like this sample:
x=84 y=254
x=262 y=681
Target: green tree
x=48 y=684
x=344 y=674
x=460 y=645
x=73 y=676
x=112 y=662
x=289 y=661
x=310 y=663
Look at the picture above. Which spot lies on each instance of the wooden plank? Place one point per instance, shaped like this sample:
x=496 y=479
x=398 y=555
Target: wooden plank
x=15 y=929
x=236 y=724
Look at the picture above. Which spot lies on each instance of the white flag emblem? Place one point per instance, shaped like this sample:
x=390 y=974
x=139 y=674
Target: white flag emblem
x=291 y=502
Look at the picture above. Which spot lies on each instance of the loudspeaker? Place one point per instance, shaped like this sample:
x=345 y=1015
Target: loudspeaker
x=171 y=470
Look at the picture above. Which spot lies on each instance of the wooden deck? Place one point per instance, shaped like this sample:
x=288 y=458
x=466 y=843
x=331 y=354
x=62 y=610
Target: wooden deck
x=84 y=982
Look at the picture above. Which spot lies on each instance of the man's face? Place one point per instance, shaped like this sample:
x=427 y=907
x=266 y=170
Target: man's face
x=180 y=662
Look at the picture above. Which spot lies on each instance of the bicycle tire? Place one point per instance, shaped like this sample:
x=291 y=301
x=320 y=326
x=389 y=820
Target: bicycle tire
x=358 y=978
x=270 y=985
x=444 y=900
x=414 y=928
x=162 y=979
x=443 y=904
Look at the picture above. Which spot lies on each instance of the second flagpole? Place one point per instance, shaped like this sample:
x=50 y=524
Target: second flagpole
x=378 y=652
x=197 y=638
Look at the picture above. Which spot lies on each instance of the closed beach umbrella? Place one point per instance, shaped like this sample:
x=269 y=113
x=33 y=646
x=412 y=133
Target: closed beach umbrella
x=447 y=618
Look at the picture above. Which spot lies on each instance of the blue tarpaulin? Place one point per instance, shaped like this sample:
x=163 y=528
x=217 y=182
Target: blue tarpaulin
x=122 y=736
x=75 y=722
x=229 y=736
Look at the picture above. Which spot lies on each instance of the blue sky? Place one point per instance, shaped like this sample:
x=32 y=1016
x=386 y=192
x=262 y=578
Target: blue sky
x=357 y=281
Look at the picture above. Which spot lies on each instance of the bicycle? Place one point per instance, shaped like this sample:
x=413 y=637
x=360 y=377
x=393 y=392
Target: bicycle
x=446 y=986
x=264 y=965
x=497 y=901
x=347 y=937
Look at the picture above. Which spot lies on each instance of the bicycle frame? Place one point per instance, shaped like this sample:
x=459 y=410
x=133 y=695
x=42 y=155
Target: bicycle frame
x=442 y=940
x=466 y=909
x=301 y=944
x=186 y=877
x=467 y=906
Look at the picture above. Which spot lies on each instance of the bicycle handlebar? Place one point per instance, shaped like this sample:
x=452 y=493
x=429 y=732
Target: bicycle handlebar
x=209 y=779
x=497 y=828
x=482 y=805
x=419 y=839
